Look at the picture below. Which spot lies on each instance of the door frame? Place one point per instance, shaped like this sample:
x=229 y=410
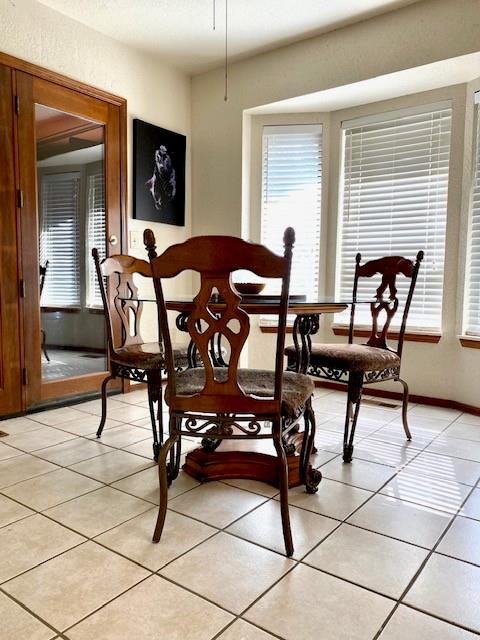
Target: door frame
x=25 y=75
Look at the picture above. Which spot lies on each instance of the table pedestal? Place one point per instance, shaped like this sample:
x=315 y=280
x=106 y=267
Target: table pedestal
x=251 y=460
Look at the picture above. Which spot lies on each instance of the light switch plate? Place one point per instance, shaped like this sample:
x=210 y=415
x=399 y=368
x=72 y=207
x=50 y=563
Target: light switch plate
x=134 y=239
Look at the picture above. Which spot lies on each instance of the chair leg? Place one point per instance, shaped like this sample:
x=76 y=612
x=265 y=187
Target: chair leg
x=283 y=486
x=44 y=348
x=353 y=407
x=155 y=395
x=104 y=404
x=164 y=483
x=405 y=409
x=310 y=477
x=175 y=454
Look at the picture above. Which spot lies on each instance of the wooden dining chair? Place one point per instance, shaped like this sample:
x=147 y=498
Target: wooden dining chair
x=129 y=356
x=357 y=365
x=228 y=402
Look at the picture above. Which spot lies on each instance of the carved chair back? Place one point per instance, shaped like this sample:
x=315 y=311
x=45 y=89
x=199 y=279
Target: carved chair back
x=121 y=297
x=43 y=274
x=389 y=268
x=215 y=258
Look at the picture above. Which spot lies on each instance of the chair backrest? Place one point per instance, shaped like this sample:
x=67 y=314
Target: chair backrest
x=43 y=274
x=389 y=268
x=121 y=297
x=215 y=258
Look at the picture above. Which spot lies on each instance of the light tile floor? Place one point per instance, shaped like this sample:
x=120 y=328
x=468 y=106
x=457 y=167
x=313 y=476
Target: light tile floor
x=387 y=549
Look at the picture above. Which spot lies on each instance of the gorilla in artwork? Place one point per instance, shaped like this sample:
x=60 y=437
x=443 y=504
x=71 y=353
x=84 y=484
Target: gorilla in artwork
x=162 y=185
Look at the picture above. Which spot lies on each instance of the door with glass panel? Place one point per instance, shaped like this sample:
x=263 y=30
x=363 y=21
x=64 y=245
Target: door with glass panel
x=69 y=160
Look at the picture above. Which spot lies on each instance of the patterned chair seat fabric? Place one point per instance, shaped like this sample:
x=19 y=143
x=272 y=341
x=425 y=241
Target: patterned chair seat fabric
x=350 y=357
x=296 y=390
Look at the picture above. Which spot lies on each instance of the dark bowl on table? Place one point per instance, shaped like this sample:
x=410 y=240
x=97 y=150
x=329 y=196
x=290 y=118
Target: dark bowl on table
x=249 y=288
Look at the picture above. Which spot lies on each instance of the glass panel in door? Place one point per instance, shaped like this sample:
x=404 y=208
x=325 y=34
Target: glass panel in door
x=71 y=222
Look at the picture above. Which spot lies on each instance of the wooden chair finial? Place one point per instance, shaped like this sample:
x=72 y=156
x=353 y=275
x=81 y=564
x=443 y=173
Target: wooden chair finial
x=289 y=238
x=149 y=242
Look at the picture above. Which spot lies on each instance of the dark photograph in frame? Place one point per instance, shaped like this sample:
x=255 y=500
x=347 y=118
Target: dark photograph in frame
x=158 y=174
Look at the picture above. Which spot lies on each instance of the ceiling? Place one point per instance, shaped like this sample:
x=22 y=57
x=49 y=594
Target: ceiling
x=181 y=31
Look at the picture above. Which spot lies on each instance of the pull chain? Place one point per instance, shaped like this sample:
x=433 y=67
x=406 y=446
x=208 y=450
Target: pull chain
x=226 y=51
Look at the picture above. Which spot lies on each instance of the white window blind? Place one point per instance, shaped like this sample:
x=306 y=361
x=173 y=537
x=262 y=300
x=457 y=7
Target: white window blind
x=291 y=196
x=95 y=234
x=472 y=316
x=395 y=186
x=60 y=239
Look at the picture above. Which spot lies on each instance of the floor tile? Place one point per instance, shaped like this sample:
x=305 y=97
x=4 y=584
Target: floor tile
x=238 y=572
x=67 y=588
x=471 y=508
x=133 y=397
x=262 y=488
x=98 y=511
x=402 y=520
x=18 y=624
x=328 y=441
x=51 y=489
x=468 y=418
x=145 y=485
x=369 y=559
x=385 y=453
x=143 y=448
x=38 y=439
x=466 y=449
x=358 y=473
x=28 y=542
x=462 y=540
x=21 y=468
x=333 y=499
x=133 y=539
x=322 y=457
x=216 y=503
x=7 y=452
x=73 y=451
x=440 y=466
x=95 y=406
x=11 y=511
x=241 y=630
x=56 y=416
x=264 y=526
x=434 y=412
x=449 y=589
x=112 y=466
x=128 y=412
x=124 y=435
x=86 y=425
x=409 y=623
x=395 y=435
x=422 y=423
x=463 y=430
x=437 y=493
x=336 y=609
x=150 y=611
x=19 y=425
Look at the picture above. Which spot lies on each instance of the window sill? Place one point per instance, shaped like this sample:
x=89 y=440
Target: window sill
x=470 y=342
x=270 y=328
x=60 y=309
x=410 y=336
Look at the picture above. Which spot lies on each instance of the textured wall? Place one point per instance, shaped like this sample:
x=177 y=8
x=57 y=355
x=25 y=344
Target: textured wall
x=419 y=34
x=154 y=91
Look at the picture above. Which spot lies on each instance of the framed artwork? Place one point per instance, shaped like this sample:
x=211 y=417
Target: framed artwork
x=158 y=174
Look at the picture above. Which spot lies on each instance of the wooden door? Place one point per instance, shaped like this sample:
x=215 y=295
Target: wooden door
x=10 y=362
x=66 y=141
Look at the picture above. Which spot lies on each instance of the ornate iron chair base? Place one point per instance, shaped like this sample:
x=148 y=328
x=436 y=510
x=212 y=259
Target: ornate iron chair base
x=154 y=397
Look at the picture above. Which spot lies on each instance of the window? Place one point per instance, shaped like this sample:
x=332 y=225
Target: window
x=472 y=297
x=60 y=239
x=394 y=202
x=95 y=235
x=291 y=196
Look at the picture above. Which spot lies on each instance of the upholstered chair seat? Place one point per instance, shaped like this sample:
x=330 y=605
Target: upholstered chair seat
x=350 y=357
